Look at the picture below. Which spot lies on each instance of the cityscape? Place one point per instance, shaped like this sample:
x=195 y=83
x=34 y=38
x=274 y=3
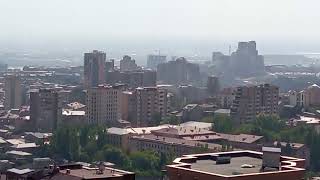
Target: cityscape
x=105 y=113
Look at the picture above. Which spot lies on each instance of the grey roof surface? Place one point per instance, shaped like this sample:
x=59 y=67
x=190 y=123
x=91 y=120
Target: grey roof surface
x=234 y=168
x=271 y=149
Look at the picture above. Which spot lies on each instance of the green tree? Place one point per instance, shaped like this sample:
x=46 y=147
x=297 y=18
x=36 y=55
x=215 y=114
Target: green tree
x=145 y=163
x=222 y=123
x=116 y=156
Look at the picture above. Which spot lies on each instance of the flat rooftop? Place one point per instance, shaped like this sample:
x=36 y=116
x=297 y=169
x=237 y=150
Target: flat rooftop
x=91 y=173
x=234 y=168
x=242 y=163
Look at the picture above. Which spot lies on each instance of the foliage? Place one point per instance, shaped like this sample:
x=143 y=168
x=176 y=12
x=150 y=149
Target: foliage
x=170 y=120
x=89 y=144
x=221 y=123
x=144 y=161
x=313 y=141
x=275 y=129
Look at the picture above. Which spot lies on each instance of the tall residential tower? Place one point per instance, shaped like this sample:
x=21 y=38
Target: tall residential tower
x=94 y=68
x=13 y=92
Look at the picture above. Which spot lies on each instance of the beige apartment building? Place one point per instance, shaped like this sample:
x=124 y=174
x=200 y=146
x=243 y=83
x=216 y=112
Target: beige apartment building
x=305 y=98
x=251 y=101
x=104 y=104
x=151 y=101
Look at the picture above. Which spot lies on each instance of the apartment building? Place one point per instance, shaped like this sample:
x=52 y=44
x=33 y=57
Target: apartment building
x=104 y=104
x=45 y=109
x=13 y=92
x=94 y=68
x=151 y=102
x=251 y=101
x=305 y=98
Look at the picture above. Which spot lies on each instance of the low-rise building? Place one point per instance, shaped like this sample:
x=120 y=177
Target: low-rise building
x=119 y=137
x=236 y=165
x=37 y=137
x=171 y=145
x=192 y=112
x=79 y=172
x=73 y=117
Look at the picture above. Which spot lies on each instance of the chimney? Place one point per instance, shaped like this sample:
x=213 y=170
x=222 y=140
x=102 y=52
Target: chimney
x=68 y=171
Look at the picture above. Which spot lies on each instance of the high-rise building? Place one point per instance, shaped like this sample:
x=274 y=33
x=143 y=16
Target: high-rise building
x=13 y=92
x=104 y=104
x=251 y=101
x=246 y=61
x=154 y=60
x=94 y=68
x=151 y=104
x=110 y=65
x=128 y=64
x=213 y=85
x=179 y=71
x=45 y=109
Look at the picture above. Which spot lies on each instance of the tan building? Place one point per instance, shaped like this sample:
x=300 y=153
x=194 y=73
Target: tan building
x=13 y=92
x=119 y=137
x=305 y=98
x=104 y=104
x=226 y=97
x=151 y=101
x=251 y=101
x=172 y=145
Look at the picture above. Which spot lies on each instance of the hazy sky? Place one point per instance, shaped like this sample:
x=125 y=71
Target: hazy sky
x=291 y=25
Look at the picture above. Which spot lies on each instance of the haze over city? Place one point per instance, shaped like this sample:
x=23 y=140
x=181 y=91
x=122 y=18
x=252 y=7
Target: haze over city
x=180 y=26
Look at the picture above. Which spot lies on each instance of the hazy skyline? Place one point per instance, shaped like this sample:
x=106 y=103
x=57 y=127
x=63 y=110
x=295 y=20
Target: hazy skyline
x=278 y=26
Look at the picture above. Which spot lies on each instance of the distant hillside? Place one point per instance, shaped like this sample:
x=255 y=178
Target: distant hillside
x=274 y=59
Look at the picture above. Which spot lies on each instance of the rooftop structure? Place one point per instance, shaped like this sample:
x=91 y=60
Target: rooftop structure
x=15 y=141
x=202 y=125
x=76 y=106
x=79 y=172
x=242 y=165
x=180 y=132
x=66 y=112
